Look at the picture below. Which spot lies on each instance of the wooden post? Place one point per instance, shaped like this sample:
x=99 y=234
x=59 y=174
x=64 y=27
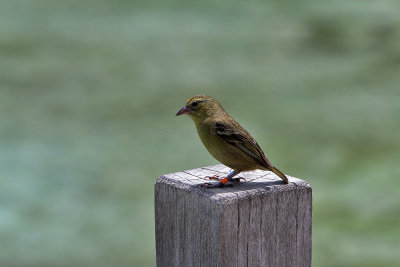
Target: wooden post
x=261 y=222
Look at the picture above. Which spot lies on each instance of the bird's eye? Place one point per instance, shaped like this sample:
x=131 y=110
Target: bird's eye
x=194 y=104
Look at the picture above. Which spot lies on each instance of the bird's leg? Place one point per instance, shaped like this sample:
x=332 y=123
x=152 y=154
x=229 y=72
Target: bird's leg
x=221 y=182
x=236 y=180
x=231 y=175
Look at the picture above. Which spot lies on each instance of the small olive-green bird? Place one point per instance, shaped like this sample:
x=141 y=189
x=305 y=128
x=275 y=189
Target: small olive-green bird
x=226 y=140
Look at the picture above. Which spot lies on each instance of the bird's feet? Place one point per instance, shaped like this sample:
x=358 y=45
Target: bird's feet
x=213 y=185
x=214 y=177
x=221 y=182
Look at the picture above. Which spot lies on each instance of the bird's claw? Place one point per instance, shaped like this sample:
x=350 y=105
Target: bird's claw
x=214 y=177
x=219 y=184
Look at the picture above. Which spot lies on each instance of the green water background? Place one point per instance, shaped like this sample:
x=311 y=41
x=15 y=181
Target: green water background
x=88 y=93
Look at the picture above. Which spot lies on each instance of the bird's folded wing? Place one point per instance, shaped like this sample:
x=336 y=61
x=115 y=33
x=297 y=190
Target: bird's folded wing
x=242 y=140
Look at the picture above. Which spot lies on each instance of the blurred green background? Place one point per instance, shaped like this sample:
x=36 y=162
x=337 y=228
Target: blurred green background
x=88 y=93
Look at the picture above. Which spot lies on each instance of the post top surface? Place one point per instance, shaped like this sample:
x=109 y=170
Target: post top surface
x=257 y=182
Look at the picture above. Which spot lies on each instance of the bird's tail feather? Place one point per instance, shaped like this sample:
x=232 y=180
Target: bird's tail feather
x=280 y=174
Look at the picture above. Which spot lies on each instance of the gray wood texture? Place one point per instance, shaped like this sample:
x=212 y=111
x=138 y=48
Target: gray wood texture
x=261 y=222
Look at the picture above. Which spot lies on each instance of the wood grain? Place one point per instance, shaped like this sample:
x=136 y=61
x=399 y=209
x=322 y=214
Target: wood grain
x=261 y=222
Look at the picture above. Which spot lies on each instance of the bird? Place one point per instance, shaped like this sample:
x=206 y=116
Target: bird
x=226 y=140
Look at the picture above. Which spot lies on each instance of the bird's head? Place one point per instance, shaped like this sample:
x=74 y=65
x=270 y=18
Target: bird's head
x=201 y=107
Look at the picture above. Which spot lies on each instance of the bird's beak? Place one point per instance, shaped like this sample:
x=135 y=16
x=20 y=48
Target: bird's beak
x=183 y=110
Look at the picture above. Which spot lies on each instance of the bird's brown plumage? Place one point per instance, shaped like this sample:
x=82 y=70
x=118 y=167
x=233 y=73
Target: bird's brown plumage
x=225 y=138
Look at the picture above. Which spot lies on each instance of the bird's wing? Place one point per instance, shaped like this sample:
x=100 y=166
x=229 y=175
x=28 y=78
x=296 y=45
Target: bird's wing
x=236 y=135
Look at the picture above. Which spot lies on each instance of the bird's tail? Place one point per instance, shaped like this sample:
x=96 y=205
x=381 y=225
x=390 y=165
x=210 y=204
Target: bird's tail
x=280 y=174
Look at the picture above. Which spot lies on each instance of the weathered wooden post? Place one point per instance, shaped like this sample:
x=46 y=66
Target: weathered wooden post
x=261 y=222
